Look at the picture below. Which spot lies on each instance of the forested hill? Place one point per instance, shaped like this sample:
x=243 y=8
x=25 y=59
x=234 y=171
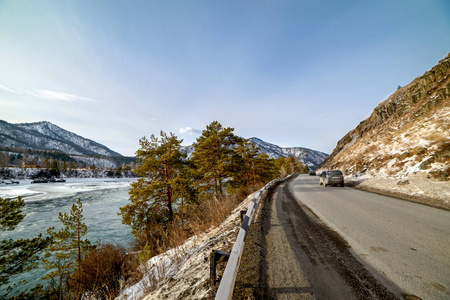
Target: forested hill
x=49 y=137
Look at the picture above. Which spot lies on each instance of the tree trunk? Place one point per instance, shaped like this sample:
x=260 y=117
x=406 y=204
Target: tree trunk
x=215 y=187
x=79 y=247
x=168 y=192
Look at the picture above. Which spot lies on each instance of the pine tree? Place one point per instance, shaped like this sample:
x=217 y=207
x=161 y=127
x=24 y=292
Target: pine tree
x=294 y=165
x=248 y=152
x=161 y=185
x=16 y=256
x=11 y=213
x=213 y=156
x=55 y=170
x=265 y=168
x=65 y=253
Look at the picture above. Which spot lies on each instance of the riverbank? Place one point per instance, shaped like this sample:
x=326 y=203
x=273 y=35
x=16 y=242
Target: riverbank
x=11 y=173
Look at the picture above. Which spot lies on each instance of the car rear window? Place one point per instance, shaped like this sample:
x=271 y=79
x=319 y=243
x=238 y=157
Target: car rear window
x=337 y=172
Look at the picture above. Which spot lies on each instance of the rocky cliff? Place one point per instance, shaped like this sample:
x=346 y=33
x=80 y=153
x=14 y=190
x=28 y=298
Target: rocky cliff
x=407 y=133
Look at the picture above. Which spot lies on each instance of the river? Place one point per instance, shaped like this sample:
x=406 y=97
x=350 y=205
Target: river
x=101 y=199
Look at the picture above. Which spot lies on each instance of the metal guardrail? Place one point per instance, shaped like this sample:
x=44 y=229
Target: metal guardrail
x=227 y=282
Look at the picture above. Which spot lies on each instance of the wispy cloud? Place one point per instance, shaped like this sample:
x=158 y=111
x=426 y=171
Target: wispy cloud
x=189 y=130
x=47 y=94
x=7 y=89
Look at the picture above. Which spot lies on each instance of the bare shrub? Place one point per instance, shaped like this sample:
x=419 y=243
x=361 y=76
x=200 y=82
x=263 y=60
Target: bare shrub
x=104 y=271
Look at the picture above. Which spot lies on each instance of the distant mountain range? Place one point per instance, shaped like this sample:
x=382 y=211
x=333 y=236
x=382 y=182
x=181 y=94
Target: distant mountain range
x=311 y=158
x=49 y=137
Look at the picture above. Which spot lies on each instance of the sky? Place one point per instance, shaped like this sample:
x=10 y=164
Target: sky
x=293 y=73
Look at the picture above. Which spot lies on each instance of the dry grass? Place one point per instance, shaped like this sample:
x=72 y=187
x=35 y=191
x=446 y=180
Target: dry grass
x=437 y=137
x=442 y=175
x=199 y=218
x=104 y=271
x=158 y=272
x=418 y=151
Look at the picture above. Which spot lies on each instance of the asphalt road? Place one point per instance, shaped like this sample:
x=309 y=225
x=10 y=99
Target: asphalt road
x=290 y=254
x=403 y=243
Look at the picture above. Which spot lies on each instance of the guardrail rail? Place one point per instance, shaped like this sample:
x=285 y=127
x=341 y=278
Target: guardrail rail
x=226 y=287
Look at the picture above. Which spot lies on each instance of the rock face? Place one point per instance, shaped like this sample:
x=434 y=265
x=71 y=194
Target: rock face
x=48 y=136
x=407 y=133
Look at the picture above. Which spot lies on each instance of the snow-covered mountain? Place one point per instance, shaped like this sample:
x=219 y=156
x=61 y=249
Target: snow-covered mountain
x=49 y=137
x=311 y=158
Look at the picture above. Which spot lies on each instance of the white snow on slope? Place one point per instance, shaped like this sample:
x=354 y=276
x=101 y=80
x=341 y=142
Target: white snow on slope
x=393 y=154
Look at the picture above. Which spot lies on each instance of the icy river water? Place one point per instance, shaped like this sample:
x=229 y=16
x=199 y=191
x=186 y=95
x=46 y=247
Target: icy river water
x=101 y=199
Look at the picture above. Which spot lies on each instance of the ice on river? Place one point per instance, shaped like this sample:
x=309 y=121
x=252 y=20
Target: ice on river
x=44 y=191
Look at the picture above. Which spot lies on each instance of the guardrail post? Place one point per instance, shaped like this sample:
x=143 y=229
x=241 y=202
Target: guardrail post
x=214 y=258
x=243 y=212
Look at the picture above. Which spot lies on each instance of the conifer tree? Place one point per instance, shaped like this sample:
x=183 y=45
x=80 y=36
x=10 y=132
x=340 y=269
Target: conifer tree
x=55 y=170
x=213 y=156
x=65 y=253
x=16 y=256
x=248 y=152
x=161 y=185
x=292 y=163
x=265 y=168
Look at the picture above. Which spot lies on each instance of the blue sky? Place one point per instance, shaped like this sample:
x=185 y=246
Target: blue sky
x=293 y=73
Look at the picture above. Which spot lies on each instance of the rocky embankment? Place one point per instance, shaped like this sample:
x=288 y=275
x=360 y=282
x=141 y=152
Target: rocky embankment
x=403 y=148
x=424 y=96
